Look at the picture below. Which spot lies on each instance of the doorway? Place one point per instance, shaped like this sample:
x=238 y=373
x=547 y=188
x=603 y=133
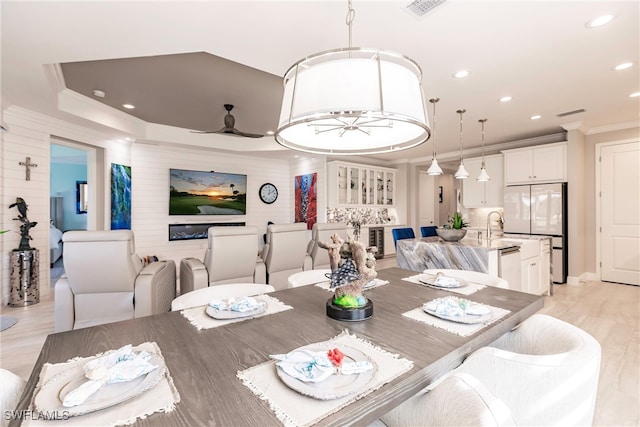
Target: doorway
x=619 y=211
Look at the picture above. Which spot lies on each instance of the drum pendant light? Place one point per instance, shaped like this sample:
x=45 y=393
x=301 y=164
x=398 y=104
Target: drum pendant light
x=353 y=101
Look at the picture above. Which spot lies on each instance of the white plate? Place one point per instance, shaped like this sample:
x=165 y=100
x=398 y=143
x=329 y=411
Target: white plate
x=228 y=314
x=50 y=397
x=336 y=386
x=430 y=280
x=466 y=317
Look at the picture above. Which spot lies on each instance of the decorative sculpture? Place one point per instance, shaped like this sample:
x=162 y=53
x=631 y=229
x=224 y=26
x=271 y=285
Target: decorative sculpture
x=352 y=267
x=26 y=224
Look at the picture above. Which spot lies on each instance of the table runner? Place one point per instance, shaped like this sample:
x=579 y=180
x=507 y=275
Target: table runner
x=163 y=397
x=462 y=329
x=201 y=320
x=378 y=282
x=295 y=409
x=465 y=290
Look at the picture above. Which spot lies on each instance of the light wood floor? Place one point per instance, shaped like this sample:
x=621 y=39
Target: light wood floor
x=610 y=312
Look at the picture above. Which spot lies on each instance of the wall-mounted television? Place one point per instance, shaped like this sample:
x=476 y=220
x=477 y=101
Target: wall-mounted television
x=207 y=193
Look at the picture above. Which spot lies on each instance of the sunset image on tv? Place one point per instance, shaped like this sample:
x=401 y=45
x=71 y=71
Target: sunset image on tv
x=207 y=193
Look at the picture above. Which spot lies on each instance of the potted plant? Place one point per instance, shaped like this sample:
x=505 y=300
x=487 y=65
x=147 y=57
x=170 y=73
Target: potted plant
x=454 y=229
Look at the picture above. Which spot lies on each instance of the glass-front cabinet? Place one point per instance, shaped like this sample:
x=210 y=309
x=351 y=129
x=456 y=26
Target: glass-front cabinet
x=352 y=184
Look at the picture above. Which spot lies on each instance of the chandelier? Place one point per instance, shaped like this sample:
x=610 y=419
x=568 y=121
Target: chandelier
x=353 y=101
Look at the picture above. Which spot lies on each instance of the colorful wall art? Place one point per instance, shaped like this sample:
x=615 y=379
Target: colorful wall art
x=120 y=197
x=306 y=205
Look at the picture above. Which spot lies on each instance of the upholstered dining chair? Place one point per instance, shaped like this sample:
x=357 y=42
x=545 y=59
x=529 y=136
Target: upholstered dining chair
x=322 y=232
x=428 y=231
x=232 y=256
x=205 y=295
x=105 y=281
x=545 y=371
x=285 y=252
x=402 y=233
x=471 y=276
x=458 y=400
x=10 y=392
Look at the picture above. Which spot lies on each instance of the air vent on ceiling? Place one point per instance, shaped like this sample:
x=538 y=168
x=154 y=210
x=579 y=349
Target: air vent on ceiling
x=568 y=113
x=422 y=7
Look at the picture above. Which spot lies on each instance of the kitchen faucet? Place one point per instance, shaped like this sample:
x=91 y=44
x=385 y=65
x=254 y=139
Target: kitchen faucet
x=489 y=222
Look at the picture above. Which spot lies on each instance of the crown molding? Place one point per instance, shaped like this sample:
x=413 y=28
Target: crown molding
x=611 y=128
x=55 y=76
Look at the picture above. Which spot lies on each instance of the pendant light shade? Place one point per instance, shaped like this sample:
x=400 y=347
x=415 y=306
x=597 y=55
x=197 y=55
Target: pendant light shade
x=484 y=176
x=353 y=101
x=461 y=173
x=434 y=169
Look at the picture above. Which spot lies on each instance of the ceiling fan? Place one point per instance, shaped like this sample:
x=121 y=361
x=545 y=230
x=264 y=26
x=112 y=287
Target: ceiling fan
x=229 y=126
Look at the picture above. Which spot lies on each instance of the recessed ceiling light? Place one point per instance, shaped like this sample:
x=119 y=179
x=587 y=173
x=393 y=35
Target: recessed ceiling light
x=599 y=21
x=505 y=99
x=269 y=132
x=634 y=95
x=99 y=93
x=128 y=106
x=461 y=74
x=536 y=117
x=623 y=66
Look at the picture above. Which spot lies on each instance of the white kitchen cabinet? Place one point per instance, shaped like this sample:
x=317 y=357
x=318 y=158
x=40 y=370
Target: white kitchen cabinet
x=484 y=194
x=389 y=247
x=543 y=163
x=352 y=184
x=530 y=269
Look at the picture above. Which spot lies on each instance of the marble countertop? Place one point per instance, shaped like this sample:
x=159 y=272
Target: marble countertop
x=472 y=242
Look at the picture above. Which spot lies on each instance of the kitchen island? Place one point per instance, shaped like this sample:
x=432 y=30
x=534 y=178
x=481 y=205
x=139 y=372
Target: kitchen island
x=522 y=262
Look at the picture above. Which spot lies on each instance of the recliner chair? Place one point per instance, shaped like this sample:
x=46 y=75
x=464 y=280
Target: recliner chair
x=231 y=257
x=105 y=281
x=322 y=232
x=285 y=252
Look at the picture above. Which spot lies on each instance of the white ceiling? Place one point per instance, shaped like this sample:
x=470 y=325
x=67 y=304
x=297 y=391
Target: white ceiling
x=538 y=52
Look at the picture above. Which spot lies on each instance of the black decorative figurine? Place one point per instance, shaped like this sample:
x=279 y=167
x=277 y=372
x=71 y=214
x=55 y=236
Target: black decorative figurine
x=26 y=224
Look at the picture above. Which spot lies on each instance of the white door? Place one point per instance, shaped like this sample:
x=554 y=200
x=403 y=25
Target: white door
x=426 y=188
x=620 y=213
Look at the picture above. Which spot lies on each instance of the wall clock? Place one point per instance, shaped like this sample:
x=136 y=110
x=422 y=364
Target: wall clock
x=268 y=193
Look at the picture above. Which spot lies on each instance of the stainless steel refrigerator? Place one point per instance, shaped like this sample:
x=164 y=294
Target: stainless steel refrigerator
x=540 y=209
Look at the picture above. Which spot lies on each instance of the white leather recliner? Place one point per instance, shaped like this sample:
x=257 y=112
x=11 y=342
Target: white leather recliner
x=545 y=371
x=232 y=256
x=322 y=232
x=105 y=281
x=285 y=252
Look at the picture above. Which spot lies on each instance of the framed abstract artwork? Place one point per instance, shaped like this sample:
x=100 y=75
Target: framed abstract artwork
x=305 y=193
x=120 y=197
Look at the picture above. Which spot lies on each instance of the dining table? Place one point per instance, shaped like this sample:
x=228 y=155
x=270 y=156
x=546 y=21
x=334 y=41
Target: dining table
x=204 y=363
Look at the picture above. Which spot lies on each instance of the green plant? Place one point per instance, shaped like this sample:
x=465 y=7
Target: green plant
x=456 y=222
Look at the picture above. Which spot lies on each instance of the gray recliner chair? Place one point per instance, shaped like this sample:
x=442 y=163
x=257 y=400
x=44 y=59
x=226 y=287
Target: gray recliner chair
x=285 y=252
x=322 y=232
x=232 y=256
x=105 y=281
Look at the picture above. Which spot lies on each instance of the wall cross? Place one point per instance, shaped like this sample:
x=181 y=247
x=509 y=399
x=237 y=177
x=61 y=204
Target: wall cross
x=27 y=163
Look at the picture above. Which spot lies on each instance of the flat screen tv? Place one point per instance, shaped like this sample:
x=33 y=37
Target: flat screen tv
x=207 y=193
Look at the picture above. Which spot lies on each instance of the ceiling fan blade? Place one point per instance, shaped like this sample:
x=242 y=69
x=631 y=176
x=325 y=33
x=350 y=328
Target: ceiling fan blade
x=245 y=134
x=228 y=128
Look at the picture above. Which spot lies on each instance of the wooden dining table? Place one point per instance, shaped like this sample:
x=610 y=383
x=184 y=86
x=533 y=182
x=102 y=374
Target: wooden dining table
x=204 y=363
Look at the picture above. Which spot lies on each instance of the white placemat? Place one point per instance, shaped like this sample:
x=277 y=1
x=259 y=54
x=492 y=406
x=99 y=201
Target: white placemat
x=377 y=282
x=163 y=397
x=201 y=320
x=462 y=329
x=295 y=409
x=464 y=290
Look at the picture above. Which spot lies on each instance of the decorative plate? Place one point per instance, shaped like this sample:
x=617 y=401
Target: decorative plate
x=473 y=312
x=229 y=314
x=454 y=282
x=50 y=397
x=336 y=386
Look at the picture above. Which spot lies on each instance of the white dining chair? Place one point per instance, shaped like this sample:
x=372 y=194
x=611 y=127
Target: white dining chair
x=471 y=276
x=11 y=386
x=205 y=295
